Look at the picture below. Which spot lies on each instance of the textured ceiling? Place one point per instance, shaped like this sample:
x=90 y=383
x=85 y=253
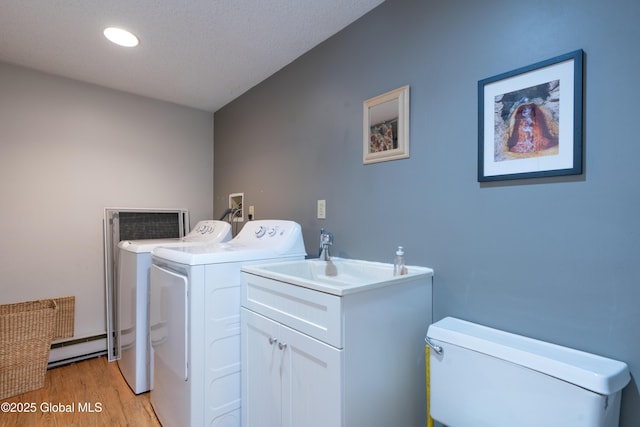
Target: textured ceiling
x=198 y=53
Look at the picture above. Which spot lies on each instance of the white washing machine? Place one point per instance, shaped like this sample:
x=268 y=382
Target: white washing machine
x=134 y=261
x=195 y=322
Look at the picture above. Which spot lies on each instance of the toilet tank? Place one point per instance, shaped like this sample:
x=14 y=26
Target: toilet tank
x=484 y=377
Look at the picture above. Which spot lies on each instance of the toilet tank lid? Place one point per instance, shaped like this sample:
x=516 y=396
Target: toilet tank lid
x=596 y=373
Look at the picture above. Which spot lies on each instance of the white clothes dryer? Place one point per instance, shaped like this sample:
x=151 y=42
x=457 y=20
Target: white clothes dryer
x=195 y=322
x=134 y=261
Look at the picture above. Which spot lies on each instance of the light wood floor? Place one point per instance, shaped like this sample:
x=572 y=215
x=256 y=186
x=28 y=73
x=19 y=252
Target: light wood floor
x=93 y=384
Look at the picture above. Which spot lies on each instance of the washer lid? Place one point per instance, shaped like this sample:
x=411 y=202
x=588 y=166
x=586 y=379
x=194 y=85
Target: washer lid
x=218 y=253
x=148 y=245
x=592 y=372
x=205 y=232
x=258 y=240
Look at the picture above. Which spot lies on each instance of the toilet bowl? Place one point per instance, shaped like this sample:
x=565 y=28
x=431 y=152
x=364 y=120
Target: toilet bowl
x=481 y=376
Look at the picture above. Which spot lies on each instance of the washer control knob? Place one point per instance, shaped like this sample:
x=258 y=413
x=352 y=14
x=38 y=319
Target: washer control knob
x=272 y=231
x=260 y=231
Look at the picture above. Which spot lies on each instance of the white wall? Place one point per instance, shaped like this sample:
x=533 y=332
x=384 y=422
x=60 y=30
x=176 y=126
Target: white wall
x=67 y=151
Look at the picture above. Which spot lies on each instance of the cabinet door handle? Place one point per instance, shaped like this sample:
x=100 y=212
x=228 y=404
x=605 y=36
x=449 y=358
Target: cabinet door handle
x=282 y=345
x=272 y=340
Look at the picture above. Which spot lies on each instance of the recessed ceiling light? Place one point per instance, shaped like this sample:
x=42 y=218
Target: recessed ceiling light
x=121 y=37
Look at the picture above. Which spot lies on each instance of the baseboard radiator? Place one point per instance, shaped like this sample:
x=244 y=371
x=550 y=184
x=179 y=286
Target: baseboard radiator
x=77 y=349
x=67 y=348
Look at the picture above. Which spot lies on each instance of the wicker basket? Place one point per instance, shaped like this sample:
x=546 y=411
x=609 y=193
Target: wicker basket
x=26 y=332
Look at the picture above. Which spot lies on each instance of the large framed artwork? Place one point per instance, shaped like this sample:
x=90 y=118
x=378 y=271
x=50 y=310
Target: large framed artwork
x=530 y=121
x=386 y=126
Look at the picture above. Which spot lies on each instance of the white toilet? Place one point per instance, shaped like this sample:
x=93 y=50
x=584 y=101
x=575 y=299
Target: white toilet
x=484 y=377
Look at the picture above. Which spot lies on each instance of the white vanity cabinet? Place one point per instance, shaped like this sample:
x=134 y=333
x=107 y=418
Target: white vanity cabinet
x=292 y=378
x=320 y=359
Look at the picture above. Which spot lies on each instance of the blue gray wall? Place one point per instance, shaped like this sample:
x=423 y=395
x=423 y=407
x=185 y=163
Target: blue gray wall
x=555 y=259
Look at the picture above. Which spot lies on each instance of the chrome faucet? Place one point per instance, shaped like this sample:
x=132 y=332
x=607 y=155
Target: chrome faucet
x=326 y=240
x=321 y=236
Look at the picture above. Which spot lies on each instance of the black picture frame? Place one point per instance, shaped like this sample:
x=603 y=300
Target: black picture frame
x=530 y=121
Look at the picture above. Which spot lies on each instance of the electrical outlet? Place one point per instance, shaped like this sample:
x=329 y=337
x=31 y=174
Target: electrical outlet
x=322 y=209
x=252 y=212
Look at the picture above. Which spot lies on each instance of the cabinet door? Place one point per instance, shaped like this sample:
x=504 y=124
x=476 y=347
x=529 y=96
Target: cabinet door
x=261 y=371
x=311 y=381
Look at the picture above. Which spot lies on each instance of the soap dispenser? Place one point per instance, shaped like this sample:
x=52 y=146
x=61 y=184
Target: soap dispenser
x=399 y=267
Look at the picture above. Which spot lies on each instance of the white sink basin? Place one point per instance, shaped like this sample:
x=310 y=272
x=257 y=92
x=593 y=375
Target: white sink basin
x=339 y=276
